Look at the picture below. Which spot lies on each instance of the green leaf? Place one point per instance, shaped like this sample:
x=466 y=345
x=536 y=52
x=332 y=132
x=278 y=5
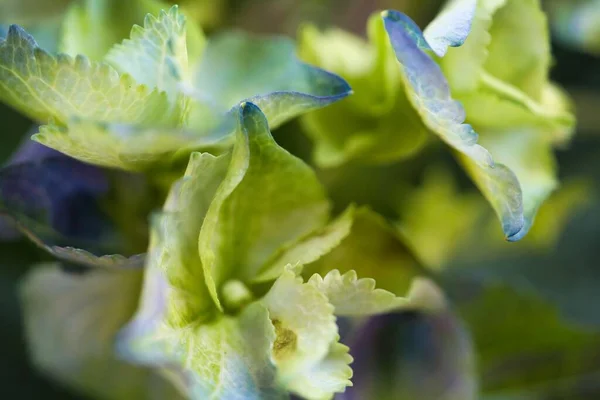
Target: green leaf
x=156 y=55
x=523 y=355
x=310 y=248
x=48 y=88
x=351 y=296
x=342 y=134
x=364 y=127
x=61 y=309
x=374 y=249
x=306 y=331
x=268 y=199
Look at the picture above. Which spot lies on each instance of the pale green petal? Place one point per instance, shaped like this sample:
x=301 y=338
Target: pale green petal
x=45 y=87
x=500 y=74
x=128 y=147
x=331 y=375
x=304 y=324
x=174 y=290
x=309 y=249
x=498 y=105
x=177 y=325
x=71 y=321
x=228 y=358
x=463 y=65
x=351 y=296
x=374 y=249
x=268 y=200
x=519 y=53
x=156 y=55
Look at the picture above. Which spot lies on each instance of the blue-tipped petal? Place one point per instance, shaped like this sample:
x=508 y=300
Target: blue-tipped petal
x=429 y=93
x=451 y=27
x=238 y=67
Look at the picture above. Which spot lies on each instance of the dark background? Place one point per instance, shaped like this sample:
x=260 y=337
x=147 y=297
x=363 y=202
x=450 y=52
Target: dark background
x=569 y=275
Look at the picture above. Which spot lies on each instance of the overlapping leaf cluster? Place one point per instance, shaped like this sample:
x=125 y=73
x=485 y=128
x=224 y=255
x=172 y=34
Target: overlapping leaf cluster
x=250 y=277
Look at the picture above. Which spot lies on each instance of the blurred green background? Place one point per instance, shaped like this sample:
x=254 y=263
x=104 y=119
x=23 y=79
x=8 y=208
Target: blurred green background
x=544 y=343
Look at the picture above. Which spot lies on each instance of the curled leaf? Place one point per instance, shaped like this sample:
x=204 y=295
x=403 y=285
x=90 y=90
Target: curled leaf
x=431 y=97
x=178 y=326
x=268 y=199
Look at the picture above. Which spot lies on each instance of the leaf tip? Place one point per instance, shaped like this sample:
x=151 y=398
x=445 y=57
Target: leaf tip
x=517 y=234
